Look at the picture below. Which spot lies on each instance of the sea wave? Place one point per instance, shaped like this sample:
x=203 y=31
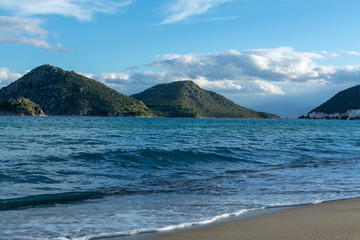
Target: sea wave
x=147 y=157
x=46 y=199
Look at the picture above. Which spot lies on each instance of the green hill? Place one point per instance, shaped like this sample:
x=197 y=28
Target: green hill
x=60 y=92
x=186 y=99
x=341 y=102
x=20 y=107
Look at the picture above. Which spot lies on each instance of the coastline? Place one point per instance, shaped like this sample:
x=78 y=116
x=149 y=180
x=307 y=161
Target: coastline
x=337 y=220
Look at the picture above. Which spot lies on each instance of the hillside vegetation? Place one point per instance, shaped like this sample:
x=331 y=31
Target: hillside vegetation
x=341 y=102
x=60 y=92
x=20 y=107
x=186 y=99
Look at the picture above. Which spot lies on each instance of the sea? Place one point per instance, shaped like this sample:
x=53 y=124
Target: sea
x=92 y=177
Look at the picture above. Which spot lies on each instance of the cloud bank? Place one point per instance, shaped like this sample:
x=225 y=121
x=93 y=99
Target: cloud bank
x=258 y=71
x=25 y=31
x=22 y=28
x=183 y=9
x=279 y=80
x=276 y=71
x=356 y=53
x=81 y=9
x=7 y=77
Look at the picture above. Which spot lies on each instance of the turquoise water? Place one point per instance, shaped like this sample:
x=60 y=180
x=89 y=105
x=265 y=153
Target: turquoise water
x=81 y=178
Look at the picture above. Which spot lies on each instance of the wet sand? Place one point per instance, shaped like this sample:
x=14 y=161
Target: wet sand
x=336 y=220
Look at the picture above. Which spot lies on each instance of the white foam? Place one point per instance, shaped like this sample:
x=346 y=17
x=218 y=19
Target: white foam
x=167 y=228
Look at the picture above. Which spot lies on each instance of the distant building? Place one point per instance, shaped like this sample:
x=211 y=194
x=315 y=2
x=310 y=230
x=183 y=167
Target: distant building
x=318 y=115
x=354 y=114
x=350 y=114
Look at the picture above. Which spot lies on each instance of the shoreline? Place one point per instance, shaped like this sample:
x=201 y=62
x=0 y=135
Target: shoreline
x=337 y=220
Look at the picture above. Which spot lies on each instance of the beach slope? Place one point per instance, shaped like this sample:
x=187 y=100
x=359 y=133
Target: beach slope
x=338 y=220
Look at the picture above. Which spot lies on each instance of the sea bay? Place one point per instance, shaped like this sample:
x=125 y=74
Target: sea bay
x=86 y=177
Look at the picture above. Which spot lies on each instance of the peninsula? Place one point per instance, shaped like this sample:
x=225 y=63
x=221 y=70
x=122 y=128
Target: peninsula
x=344 y=105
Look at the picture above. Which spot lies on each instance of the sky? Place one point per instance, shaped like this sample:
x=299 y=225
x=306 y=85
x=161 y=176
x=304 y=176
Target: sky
x=279 y=56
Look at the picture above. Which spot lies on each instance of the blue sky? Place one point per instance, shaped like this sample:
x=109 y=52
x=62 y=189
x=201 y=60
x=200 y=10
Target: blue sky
x=280 y=56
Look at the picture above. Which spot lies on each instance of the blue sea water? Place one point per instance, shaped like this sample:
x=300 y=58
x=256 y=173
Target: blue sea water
x=87 y=177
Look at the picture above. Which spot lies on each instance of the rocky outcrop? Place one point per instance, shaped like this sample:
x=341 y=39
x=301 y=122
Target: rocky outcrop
x=20 y=107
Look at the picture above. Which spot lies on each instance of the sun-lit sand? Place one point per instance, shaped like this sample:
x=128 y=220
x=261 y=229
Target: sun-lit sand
x=338 y=220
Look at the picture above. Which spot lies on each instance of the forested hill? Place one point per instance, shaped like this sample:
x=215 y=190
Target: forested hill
x=342 y=102
x=60 y=92
x=186 y=99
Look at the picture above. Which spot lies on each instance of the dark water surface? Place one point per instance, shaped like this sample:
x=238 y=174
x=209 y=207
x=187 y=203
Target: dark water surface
x=83 y=177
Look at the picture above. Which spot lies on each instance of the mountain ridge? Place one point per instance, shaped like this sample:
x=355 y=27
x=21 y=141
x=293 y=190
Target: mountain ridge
x=186 y=99
x=60 y=92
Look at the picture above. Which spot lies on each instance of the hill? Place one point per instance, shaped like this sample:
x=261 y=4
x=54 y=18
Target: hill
x=342 y=102
x=60 y=92
x=186 y=99
x=20 y=107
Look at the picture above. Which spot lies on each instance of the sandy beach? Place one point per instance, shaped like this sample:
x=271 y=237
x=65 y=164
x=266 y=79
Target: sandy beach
x=337 y=220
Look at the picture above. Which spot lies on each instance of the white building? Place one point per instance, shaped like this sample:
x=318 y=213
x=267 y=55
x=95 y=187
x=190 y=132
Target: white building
x=354 y=113
x=317 y=115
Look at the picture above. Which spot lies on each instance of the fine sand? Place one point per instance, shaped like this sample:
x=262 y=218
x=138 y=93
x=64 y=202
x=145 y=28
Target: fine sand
x=338 y=220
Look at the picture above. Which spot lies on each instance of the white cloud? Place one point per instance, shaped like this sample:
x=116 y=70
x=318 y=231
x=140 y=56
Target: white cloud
x=352 y=53
x=183 y=9
x=118 y=81
x=258 y=71
x=220 y=84
x=6 y=76
x=108 y=77
x=249 y=77
x=274 y=80
x=21 y=29
x=80 y=9
x=25 y=31
x=269 y=88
